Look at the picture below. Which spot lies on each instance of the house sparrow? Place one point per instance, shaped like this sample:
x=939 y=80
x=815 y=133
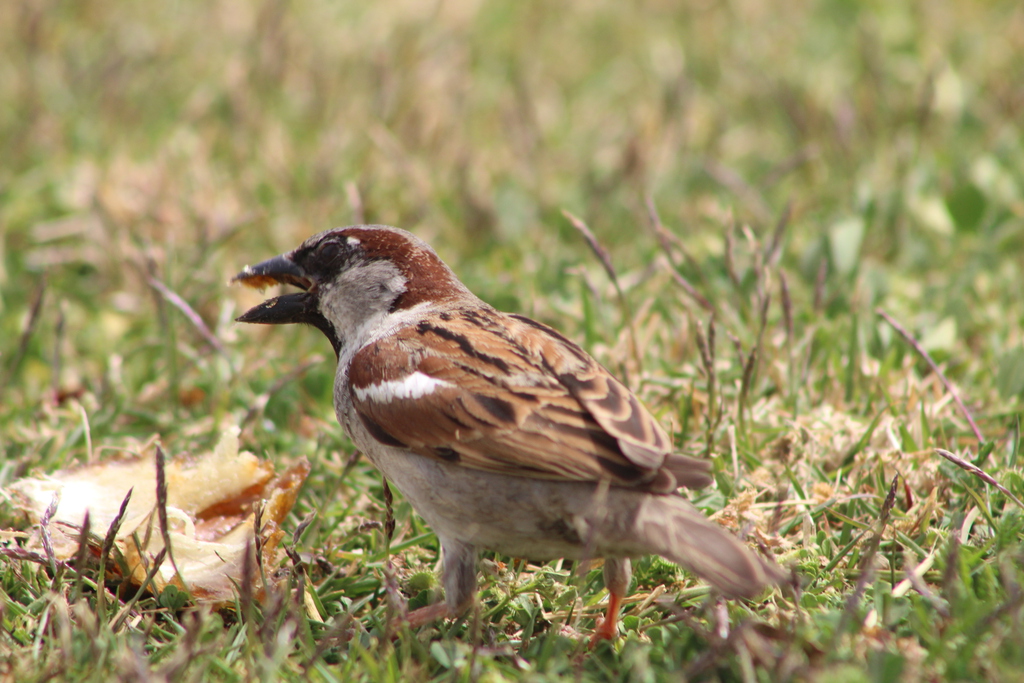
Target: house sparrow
x=500 y=432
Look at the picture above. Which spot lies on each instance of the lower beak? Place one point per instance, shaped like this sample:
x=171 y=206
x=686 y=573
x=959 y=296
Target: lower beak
x=281 y=310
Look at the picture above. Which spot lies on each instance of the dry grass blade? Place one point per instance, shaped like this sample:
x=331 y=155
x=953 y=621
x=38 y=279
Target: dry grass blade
x=125 y=610
x=175 y=300
x=44 y=529
x=245 y=592
x=734 y=182
x=161 y=508
x=300 y=600
x=766 y=302
x=602 y=254
x=693 y=293
x=748 y=378
x=979 y=473
x=787 y=307
x=665 y=239
x=888 y=505
x=606 y=261
x=26 y=335
x=867 y=573
x=669 y=240
x=257 y=535
x=58 y=344
x=713 y=414
x=773 y=252
x=762 y=279
x=707 y=347
x=21 y=554
x=82 y=555
x=935 y=368
x=738 y=346
x=108 y=546
x=303 y=525
x=819 y=284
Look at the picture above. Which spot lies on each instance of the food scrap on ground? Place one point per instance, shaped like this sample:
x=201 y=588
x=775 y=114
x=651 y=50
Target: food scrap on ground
x=212 y=503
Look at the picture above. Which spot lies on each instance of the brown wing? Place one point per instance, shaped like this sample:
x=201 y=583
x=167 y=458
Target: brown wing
x=520 y=399
x=612 y=405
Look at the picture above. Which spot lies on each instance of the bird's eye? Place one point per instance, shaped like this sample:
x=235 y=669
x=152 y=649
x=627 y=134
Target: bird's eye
x=329 y=250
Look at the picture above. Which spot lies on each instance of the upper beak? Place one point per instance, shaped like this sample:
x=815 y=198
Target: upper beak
x=290 y=308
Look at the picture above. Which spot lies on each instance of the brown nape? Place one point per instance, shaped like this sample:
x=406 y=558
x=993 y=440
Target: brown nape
x=427 y=277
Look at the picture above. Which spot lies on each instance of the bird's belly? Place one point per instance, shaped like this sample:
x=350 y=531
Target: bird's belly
x=515 y=516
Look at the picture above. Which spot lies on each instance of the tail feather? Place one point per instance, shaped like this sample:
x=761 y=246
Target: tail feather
x=691 y=473
x=678 y=531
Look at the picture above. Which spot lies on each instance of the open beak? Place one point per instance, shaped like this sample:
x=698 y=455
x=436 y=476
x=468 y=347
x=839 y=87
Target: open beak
x=281 y=310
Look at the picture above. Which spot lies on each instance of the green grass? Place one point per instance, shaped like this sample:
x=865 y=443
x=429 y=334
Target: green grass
x=174 y=143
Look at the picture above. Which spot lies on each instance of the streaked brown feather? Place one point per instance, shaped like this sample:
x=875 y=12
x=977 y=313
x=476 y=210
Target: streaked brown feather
x=522 y=400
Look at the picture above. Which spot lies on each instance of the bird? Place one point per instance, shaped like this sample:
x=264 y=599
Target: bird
x=502 y=433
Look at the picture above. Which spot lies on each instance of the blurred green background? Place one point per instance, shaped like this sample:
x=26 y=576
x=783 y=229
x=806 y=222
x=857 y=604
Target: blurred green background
x=822 y=158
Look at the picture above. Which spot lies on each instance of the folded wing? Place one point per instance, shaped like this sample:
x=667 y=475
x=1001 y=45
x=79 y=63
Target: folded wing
x=518 y=399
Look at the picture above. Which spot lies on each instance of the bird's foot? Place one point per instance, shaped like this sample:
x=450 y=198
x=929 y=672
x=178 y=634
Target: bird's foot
x=608 y=627
x=426 y=615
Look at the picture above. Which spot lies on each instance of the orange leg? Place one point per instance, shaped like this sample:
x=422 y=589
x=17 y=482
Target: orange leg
x=608 y=628
x=618 y=572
